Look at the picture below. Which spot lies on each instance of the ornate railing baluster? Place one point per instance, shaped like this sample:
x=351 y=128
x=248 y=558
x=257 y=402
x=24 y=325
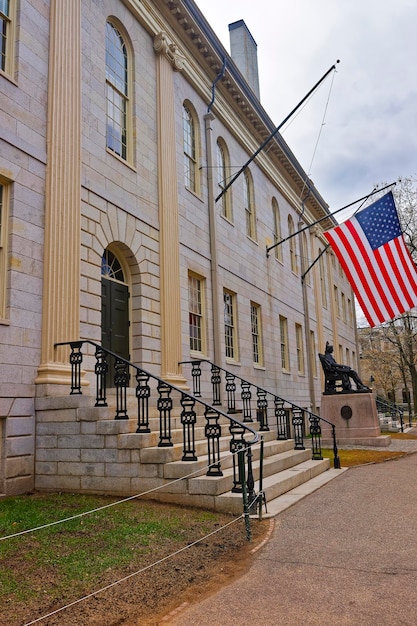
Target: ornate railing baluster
x=143 y=391
x=196 y=376
x=262 y=409
x=216 y=380
x=121 y=382
x=76 y=358
x=281 y=417
x=237 y=442
x=213 y=433
x=315 y=432
x=188 y=420
x=250 y=482
x=231 y=392
x=246 y=396
x=164 y=407
x=101 y=368
x=298 y=425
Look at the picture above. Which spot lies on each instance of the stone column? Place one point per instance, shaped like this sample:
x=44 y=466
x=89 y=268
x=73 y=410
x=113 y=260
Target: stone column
x=61 y=286
x=171 y=353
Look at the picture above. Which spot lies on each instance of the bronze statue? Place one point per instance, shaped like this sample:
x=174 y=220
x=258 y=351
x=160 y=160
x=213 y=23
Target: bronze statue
x=335 y=371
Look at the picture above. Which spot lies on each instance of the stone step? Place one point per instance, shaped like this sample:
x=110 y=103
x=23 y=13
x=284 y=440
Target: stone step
x=178 y=469
x=275 y=485
x=287 y=499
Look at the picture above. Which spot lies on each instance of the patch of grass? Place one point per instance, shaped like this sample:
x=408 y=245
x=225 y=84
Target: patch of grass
x=69 y=554
x=399 y=435
x=350 y=458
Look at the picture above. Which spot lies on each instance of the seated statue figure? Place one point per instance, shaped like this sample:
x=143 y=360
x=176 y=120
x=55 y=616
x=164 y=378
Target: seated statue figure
x=345 y=371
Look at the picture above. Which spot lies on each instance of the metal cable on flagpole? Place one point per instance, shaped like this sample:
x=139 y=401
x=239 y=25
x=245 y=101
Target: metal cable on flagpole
x=268 y=139
x=318 y=137
x=325 y=217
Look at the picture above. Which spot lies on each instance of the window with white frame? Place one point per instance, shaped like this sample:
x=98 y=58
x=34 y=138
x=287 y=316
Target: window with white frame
x=277 y=229
x=4 y=201
x=313 y=352
x=299 y=348
x=229 y=300
x=256 y=328
x=322 y=272
x=283 y=330
x=292 y=244
x=117 y=93
x=189 y=125
x=7 y=35
x=249 y=205
x=196 y=313
x=223 y=166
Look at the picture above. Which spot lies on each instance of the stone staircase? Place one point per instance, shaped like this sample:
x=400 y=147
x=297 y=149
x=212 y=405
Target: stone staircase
x=82 y=448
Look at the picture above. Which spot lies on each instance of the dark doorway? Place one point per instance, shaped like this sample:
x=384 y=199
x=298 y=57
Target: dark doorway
x=114 y=311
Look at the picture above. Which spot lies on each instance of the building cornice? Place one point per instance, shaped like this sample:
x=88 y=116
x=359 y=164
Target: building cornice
x=186 y=29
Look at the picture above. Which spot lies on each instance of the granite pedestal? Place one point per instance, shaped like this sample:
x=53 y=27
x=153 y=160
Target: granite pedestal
x=355 y=418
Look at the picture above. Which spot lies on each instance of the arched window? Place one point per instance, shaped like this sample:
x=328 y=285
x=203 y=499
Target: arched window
x=305 y=261
x=277 y=229
x=111 y=268
x=223 y=167
x=293 y=247
x=117 y=92
x=249 y=205
x=191 y=146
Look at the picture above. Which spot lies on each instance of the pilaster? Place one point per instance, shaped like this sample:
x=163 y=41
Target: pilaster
x=60 y=321
x=167 y=60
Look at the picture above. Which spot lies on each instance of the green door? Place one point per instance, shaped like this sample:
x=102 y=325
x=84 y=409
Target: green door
x=114 y=321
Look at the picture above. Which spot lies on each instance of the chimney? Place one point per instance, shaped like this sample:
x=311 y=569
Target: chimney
x=243 y=50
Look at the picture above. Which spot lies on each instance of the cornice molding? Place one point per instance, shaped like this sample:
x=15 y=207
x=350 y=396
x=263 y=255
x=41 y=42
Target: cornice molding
x=186 y=29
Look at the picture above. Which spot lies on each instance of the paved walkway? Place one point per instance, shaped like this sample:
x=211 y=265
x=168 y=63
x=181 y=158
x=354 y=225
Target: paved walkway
x=346 y=555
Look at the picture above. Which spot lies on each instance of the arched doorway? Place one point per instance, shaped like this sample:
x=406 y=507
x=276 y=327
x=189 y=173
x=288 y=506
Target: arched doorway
x=114 y=309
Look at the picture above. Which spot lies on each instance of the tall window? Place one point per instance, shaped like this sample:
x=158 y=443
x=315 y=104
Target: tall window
x=222 y=179
x=230 y=325
x=299 y=346
x=292 y=242
x=313 y=353
x=283 y=329
x=305 y=261
x=4 y=193
x=249 y=205
x=322 y=271
x=336 y=300
x=190 y=149
x=255 y=316
x=196 y=313
x=117 y=92
x=7 y=25
x=277 y=229
x=344 y=313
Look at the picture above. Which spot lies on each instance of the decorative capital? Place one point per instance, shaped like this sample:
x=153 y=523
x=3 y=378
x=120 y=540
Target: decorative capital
x=169 y=50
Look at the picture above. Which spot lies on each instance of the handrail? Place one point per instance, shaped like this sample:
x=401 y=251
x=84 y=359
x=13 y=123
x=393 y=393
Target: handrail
x=188 y=416
x=392 y=408
x=262 y=406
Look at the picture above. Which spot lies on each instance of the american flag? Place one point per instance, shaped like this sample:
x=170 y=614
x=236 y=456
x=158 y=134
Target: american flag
x=372 y=251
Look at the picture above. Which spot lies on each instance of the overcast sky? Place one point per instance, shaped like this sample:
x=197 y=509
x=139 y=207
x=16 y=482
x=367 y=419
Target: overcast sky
x=369 y=134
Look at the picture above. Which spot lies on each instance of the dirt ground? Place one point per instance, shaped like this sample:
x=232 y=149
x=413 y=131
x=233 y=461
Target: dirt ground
x=144 y=599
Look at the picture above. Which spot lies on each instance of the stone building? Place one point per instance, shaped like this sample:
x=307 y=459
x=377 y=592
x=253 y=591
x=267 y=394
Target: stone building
x=121 y=123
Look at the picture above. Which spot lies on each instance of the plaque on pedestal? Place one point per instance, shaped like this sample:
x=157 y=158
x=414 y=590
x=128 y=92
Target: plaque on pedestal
x=355 y=418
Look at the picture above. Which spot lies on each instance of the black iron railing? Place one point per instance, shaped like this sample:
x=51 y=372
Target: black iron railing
x=257 y=404
x=392 y=410
x=150 y=388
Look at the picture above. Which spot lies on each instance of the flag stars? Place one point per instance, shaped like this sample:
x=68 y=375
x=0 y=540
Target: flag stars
x=380 y=222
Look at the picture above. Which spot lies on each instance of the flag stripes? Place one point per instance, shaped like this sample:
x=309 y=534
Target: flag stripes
x=384 y=279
